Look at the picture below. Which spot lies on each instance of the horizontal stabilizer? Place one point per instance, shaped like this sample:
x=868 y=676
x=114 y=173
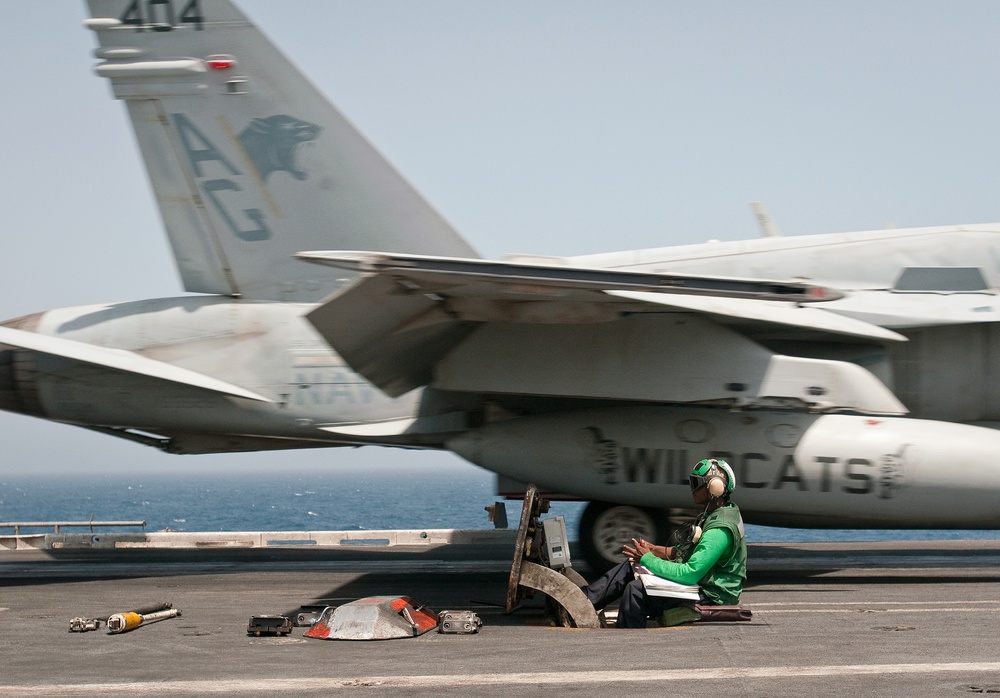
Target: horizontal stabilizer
x=123 y=361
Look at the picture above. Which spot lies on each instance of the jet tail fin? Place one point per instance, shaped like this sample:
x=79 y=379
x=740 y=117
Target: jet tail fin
x=248 y=161
x=768 y=228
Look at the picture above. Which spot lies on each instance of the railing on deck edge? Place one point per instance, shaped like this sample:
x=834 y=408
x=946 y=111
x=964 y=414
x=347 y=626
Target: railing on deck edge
x=57 y=525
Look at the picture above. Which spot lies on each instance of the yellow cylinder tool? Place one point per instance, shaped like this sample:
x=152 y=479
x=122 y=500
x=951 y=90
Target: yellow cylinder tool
x=122 y=622
x=130 y=620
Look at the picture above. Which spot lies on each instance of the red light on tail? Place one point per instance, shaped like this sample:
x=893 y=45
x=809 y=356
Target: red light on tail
x=220 y=62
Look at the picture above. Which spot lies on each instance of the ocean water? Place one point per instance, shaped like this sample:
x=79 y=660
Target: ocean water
x=257 y=502
x=317 y=500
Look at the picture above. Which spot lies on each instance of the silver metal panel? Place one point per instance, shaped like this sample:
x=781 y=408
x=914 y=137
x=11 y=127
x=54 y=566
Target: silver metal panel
x=950 y=372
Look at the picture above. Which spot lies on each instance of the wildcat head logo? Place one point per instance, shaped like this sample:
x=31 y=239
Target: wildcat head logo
x=604 y=454
x=271 y=143
x=891 y=473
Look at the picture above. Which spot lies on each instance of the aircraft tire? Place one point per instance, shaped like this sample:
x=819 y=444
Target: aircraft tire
x=605 y=527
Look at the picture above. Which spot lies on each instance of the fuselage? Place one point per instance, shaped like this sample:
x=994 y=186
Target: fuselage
x=269 y=348
x=807 y=466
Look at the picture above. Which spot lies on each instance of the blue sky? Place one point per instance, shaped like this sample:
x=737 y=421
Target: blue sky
x=553 y=128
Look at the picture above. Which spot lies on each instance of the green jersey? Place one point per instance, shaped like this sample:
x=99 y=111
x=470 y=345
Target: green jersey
x=718 y=563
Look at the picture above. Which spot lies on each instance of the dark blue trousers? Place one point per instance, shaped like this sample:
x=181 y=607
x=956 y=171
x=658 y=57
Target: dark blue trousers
x=636 y=605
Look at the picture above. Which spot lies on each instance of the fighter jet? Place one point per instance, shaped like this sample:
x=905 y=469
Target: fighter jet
x=846 y=377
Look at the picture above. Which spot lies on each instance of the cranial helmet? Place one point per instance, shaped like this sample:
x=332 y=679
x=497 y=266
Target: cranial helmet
x=715 y=474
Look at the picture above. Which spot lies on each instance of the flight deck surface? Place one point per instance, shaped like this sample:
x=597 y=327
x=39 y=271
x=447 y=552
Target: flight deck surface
x=885 y=619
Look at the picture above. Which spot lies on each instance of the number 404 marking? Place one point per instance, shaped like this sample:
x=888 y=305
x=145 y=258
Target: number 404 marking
x=160 y=15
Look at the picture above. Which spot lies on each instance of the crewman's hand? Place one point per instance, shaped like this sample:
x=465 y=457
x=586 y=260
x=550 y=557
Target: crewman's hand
x=637 y=549
x=631 y=553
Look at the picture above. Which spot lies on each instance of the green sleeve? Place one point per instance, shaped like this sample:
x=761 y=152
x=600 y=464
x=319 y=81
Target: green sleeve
x=710 y=548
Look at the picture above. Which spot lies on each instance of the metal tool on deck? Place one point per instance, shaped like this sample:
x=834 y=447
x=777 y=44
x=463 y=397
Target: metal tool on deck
x=459 y=622
x=269 y=625
x=308 y=615
x=130 y=620
x=82 y=624
x=535 y=558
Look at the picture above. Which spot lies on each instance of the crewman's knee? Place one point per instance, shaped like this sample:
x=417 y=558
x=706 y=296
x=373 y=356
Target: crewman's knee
x=635 y=591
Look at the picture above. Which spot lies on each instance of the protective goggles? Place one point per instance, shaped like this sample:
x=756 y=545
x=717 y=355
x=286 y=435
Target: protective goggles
x=697 y=481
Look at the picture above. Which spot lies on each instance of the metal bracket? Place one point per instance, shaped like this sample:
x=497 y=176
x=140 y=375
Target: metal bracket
x=572 y=607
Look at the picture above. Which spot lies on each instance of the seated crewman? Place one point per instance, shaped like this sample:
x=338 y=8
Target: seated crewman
x=715 y=558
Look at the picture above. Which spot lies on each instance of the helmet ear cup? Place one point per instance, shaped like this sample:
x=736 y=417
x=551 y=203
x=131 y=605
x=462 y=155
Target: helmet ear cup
x=716 y=486
x=715 y=476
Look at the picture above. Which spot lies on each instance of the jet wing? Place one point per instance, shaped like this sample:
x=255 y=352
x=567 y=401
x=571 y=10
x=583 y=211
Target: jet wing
x=407 y=313
x=122 y=361
x=450 y=272
x=808 y=317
